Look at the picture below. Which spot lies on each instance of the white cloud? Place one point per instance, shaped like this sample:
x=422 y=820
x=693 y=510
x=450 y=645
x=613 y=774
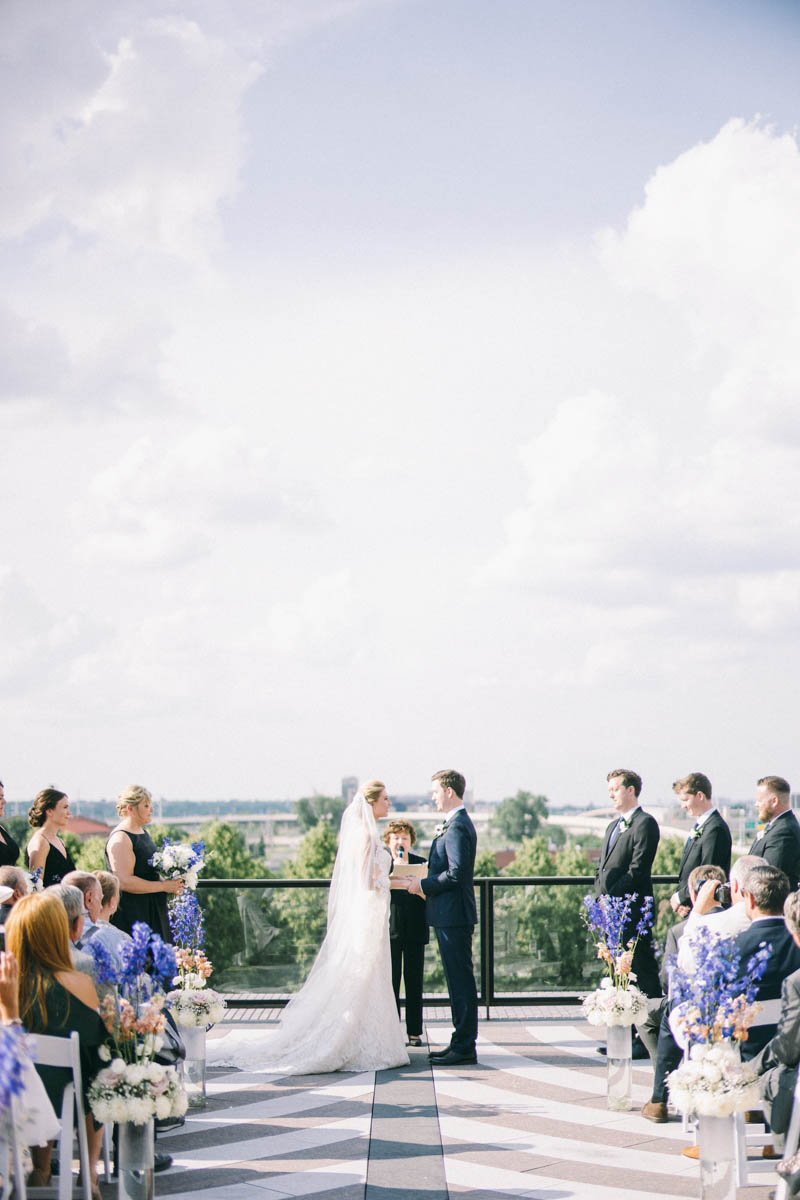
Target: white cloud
x=167 y=502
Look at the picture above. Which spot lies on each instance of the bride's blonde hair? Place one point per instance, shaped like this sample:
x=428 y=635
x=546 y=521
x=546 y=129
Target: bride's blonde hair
x=372 y=790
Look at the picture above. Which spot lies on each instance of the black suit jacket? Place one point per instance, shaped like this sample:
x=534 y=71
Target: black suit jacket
x=783 y=961
x=780 y=846
x=712 y=846
x=627 y=866
x=449 y=890
x=407 y=921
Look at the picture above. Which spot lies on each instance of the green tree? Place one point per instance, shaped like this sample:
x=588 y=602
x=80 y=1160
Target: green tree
x=668 y=856
x=89 y=854
x=485 y=864
x=310 y=810
x=519 y=816
x=227 y=857
x=304 y=911
x=21 y=831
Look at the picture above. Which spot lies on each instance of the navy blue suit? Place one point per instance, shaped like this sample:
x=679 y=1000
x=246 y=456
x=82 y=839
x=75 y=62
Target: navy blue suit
x=450 y=910
x=784 y=959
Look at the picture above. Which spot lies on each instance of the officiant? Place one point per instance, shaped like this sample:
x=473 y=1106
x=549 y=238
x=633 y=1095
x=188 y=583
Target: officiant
x=408 y=928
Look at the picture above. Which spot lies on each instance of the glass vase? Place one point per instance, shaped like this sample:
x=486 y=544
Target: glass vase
x=620 y=1076
x=717 y=1140
x=135 y=1161
x=194 y=1067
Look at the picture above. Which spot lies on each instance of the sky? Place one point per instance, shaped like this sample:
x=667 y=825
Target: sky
x=388 y=385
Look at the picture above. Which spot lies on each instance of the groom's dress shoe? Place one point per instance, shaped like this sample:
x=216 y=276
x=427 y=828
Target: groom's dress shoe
x=439 y=1053
x=455 y=1058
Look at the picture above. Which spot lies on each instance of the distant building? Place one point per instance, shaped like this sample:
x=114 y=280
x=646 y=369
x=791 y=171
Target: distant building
x=85 y=827
x=349 y=787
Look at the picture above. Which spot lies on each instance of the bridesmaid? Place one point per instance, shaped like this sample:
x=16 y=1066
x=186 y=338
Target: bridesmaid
x=9 y=850
x=48 y=815
x=143 y=893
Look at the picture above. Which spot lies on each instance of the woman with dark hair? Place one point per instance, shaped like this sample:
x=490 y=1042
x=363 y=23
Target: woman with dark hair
x=55 y=999
x=48 y=815
x=9 y=850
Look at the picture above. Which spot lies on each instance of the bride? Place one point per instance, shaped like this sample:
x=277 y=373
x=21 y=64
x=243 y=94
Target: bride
x=344 y=1018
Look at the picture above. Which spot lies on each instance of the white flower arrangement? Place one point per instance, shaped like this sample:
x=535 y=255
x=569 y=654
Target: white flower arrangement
x=613 y=1005
x=714 y=1082
x=136 y=1092
x=196 y=1006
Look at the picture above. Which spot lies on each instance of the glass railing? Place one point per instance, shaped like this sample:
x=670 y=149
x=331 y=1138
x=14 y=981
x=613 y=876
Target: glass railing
x=531 y=945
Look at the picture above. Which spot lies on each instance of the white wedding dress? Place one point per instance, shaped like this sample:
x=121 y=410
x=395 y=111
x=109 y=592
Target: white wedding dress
x=344 y=1018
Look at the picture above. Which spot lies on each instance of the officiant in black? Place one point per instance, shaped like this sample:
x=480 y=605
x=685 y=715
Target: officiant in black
x=408 y=929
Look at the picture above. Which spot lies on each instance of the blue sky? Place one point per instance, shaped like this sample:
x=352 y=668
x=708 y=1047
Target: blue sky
x=389 y=384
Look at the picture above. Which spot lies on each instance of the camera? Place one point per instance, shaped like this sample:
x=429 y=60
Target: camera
x=723 y=895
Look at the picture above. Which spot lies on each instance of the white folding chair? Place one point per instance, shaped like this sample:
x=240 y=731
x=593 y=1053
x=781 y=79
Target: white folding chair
x=11 y=1149
x=65 y=1052
x=792 y=1139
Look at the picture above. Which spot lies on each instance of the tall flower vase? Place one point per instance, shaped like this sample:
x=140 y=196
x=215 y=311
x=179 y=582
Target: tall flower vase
x=618 y=1057
x=135 y=1161
x=194 y=1067
x=717 y=1141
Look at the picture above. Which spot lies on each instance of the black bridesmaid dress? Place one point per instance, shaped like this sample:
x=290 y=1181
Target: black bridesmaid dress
x=56 y=865
x=9 y=850
x=150 y=907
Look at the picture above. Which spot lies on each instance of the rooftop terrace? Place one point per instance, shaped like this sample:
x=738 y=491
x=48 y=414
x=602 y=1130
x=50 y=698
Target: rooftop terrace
x=530 y=1120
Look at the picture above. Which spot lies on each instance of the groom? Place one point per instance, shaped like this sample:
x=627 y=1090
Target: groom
x=450 y=909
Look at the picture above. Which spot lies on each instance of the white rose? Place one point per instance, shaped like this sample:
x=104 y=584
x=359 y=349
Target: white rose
x=135 y=1074
x=711 y=1071
x=180 y=1102
x=163 y=1107
x=117 y=1066
x=118 y=1110
x=104 y=1053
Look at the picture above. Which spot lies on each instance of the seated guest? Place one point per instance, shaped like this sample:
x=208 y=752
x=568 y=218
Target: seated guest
x=55 y=999
x=765 y=894
x=730 y=922
x=72 y=899
x=408 y=929
x=654 y=1030
x=15 y=879
x=92 y=894
x=777 y=1063
x=106 y=933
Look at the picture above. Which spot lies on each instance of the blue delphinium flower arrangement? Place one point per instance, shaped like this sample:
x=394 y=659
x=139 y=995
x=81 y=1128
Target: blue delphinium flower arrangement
x=191 y=1001
x=134 y=1087
x=715 y=1004
x=617 y=1001
x=12 y=1050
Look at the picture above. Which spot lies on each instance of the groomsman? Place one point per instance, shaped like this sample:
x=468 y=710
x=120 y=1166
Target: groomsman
x=779 y=841
x=709 y=842
x=626 y=864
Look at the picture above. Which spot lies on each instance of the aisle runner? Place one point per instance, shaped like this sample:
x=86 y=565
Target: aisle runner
x=264 y=1137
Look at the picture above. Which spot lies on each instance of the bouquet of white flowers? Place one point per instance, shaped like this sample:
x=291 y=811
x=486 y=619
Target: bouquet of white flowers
x=714 y=1082
x=196 y=1006
x=125 y=1091
x=176 y=860
x=612 y=1005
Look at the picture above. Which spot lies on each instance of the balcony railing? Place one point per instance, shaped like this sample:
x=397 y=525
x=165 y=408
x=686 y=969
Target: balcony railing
x=531 y=945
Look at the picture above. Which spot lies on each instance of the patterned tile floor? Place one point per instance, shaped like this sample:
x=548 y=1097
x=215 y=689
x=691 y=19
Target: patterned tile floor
x=530 y=1120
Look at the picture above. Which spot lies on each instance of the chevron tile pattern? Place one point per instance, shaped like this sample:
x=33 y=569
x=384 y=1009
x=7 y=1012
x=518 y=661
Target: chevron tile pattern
x=530 y=1120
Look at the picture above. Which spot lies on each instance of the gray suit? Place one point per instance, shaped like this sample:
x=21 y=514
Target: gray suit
x=777 y=1062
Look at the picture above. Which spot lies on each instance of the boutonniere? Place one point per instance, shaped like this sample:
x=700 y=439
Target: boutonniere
x=440 y=828
x=624 y=823
x=695 y=834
